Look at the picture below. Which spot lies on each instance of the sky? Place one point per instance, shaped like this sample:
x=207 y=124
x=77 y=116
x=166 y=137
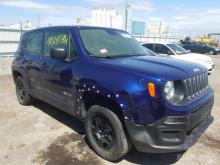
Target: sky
x=180 y=17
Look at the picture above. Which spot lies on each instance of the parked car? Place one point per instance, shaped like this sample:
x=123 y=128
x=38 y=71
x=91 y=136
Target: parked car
x=201 y=48
x=175 y=51
x=104 y=77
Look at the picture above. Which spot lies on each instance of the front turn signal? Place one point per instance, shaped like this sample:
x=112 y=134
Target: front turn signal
x=151 y=89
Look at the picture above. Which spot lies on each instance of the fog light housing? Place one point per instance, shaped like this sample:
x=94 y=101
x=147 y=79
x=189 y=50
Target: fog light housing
x=171 y=136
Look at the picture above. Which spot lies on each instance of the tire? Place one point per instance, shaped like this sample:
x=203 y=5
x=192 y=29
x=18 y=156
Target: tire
x=211 y=52
x=105 y=133
x=22 y=94
x=189 y=50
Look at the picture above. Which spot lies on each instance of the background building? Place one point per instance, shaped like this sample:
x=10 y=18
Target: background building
x=127 y=13
x=156 y=29
x=114 y=17
x=106 y=17
x=138 y=28
x=82 y=21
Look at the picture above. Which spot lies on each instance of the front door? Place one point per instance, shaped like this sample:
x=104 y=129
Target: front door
x=58 y=77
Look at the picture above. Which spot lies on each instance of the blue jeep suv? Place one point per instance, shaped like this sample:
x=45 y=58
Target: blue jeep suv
x=104 y=77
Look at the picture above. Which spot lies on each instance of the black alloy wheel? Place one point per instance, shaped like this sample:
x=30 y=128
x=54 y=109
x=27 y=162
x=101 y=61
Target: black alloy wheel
x=102 y=132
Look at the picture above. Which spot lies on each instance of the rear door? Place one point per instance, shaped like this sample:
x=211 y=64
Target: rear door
x=204 y=48
x=33 y=53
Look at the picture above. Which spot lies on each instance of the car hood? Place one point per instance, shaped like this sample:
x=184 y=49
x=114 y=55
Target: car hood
x=163 y=68
x=193 y=57
x=196 y=58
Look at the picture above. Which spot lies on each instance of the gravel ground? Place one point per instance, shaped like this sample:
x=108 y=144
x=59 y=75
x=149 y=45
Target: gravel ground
x=42 y=134
x=5 y=65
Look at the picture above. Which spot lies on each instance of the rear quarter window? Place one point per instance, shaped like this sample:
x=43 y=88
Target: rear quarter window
x=34 y=43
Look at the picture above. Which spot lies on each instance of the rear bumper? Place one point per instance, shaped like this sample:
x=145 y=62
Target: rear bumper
x=171 y=134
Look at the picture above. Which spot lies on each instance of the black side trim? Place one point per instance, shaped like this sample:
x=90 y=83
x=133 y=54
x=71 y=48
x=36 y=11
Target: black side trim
x=53 y=101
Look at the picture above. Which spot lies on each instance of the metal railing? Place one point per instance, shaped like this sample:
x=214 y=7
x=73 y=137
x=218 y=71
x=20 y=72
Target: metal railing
x=9 y=39
x=158 y=38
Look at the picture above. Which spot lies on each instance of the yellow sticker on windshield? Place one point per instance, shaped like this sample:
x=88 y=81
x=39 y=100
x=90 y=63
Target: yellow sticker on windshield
x=178 y=52
x=57 y=40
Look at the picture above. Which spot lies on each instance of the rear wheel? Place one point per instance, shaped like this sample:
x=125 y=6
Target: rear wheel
x=189 y=50
x=21 y=90
x=105 y=133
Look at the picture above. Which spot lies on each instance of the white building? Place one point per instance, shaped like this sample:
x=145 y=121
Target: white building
x=82 y=22
x=117 y=17
x=106 y=17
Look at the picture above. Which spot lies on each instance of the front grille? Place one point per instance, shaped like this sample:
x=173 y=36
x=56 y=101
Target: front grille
x=195 y=86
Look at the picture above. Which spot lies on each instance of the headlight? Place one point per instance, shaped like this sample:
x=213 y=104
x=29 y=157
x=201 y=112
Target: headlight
x=217 y=49
x=169 y=90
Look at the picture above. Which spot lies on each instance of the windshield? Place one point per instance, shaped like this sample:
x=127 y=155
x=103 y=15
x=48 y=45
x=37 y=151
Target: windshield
x=178 y=49
x=204 y=44
x=110 y=43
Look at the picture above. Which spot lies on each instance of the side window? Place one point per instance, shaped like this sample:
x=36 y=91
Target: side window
x=56 y=39
x=162 y=49
x=72 y=50
x=34 y=42
x=149 y=46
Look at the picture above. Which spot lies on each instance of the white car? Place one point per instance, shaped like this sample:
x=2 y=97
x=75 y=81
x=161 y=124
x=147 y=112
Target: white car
x=175 y=51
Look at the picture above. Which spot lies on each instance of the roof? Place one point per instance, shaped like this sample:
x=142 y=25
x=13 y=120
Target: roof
x=165 y=43
x=70 y=27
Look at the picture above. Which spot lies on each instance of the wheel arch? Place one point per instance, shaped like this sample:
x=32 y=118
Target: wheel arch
x=89 y=95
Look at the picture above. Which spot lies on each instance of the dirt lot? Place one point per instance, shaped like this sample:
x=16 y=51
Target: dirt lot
x=42 y=134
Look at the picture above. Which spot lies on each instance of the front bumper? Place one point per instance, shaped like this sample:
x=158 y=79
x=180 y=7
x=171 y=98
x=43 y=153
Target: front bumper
x=171 y=134
x=211 y=69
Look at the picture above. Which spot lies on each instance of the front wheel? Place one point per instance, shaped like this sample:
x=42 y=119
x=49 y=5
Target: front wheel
x=189 y=50
x=105 y=133
x=211 y=52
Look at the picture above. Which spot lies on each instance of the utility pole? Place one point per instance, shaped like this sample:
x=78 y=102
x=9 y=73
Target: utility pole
x=167 y=32
x=38 y=21
x=20 y=27
x=190 y=33
x=127 y=9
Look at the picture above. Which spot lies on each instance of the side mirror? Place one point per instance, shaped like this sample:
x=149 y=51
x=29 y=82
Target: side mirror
x=58 y=53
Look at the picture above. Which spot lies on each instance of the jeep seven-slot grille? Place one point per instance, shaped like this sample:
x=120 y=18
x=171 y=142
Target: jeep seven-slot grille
x=195 y=86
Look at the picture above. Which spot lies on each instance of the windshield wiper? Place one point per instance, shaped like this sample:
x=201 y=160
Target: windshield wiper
x=100 y=56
